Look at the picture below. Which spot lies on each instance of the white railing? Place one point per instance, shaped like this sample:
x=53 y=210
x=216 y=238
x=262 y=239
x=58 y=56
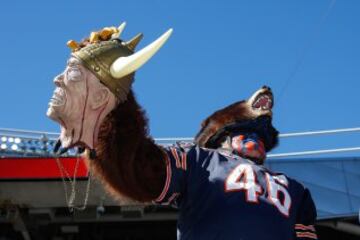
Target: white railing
x=25 y=142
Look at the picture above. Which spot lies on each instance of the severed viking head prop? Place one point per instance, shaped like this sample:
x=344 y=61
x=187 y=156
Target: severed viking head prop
x=98 y=76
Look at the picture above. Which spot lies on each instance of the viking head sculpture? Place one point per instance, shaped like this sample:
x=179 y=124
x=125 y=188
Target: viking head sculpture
x=98 y=76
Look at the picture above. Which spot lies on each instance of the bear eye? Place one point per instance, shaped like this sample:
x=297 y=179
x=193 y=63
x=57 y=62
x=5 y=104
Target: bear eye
x=74 y=74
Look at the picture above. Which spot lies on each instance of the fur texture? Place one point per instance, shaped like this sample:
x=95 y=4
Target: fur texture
x=238 y=112
x=128 y=161
x=235 y=112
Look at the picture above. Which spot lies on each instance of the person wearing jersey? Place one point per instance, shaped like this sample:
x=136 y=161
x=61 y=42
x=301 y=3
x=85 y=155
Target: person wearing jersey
x=219 y=183
x=222 y=188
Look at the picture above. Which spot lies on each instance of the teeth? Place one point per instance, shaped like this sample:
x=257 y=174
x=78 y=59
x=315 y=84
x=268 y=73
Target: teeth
x=266 y=105
x=58 y=97
x=59 y=91
x=55 y=101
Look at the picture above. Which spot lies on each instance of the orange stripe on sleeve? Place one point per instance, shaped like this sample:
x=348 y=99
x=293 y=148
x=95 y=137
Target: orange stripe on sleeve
x=173 y=196
x=306 y=235
x=176 y=156
x=167 y=182
x=305 y=227
x=184 y=159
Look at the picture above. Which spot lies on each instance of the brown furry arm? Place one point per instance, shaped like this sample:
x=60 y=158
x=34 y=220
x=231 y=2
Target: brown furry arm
x=128 y=161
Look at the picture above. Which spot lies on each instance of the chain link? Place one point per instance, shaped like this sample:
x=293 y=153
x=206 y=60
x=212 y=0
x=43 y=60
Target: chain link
x=65 y=175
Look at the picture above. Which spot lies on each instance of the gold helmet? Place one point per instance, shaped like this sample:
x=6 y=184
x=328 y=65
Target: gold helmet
x=112 y=60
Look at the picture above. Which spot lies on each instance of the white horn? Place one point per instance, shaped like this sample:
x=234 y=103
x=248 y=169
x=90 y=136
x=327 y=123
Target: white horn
x=126 y=65
x=120 y=30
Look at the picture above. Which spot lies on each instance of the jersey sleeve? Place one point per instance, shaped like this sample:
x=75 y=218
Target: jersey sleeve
x=176 y=168
x=306 y=216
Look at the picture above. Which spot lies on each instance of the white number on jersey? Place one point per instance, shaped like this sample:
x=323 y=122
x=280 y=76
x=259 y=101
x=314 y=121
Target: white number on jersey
x=275 y=186
x=243 y=178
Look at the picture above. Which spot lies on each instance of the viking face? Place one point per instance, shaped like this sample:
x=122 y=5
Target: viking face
x=69 y=96
x=78 y=101
x=67 y=104
x=97 y=77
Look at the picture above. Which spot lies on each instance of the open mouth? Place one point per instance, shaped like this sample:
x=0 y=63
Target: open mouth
x=58 y=98
x=264 y=101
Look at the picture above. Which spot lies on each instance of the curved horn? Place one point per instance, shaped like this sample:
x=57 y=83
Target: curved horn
x=120 y=29
x=126 y=65
x=132 y=43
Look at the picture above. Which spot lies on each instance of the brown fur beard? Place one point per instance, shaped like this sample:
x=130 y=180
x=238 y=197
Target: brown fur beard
x=127 y=160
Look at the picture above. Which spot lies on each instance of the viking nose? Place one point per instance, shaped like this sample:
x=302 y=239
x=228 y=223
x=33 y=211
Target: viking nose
x=58 y=80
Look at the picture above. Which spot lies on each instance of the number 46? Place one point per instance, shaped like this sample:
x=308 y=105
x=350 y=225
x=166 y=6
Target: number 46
x=243 y=178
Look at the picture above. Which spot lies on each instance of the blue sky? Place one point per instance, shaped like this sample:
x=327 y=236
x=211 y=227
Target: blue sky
x=220 y=52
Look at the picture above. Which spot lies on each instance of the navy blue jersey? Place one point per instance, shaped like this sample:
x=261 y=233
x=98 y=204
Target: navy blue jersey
x=224 y=196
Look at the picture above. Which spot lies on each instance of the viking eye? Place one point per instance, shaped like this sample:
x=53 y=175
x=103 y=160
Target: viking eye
x=74 y=74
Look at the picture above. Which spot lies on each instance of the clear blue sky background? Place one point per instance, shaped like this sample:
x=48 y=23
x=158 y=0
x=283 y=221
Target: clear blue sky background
x=220 y=52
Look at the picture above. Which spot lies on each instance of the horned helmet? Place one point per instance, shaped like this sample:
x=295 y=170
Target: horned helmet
x=114 y=61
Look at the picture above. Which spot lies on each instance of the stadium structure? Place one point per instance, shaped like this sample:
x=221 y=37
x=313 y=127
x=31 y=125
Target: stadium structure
x=46 y=197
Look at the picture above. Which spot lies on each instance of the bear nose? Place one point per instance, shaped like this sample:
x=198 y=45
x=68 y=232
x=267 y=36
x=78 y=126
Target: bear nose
x=266 y=87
